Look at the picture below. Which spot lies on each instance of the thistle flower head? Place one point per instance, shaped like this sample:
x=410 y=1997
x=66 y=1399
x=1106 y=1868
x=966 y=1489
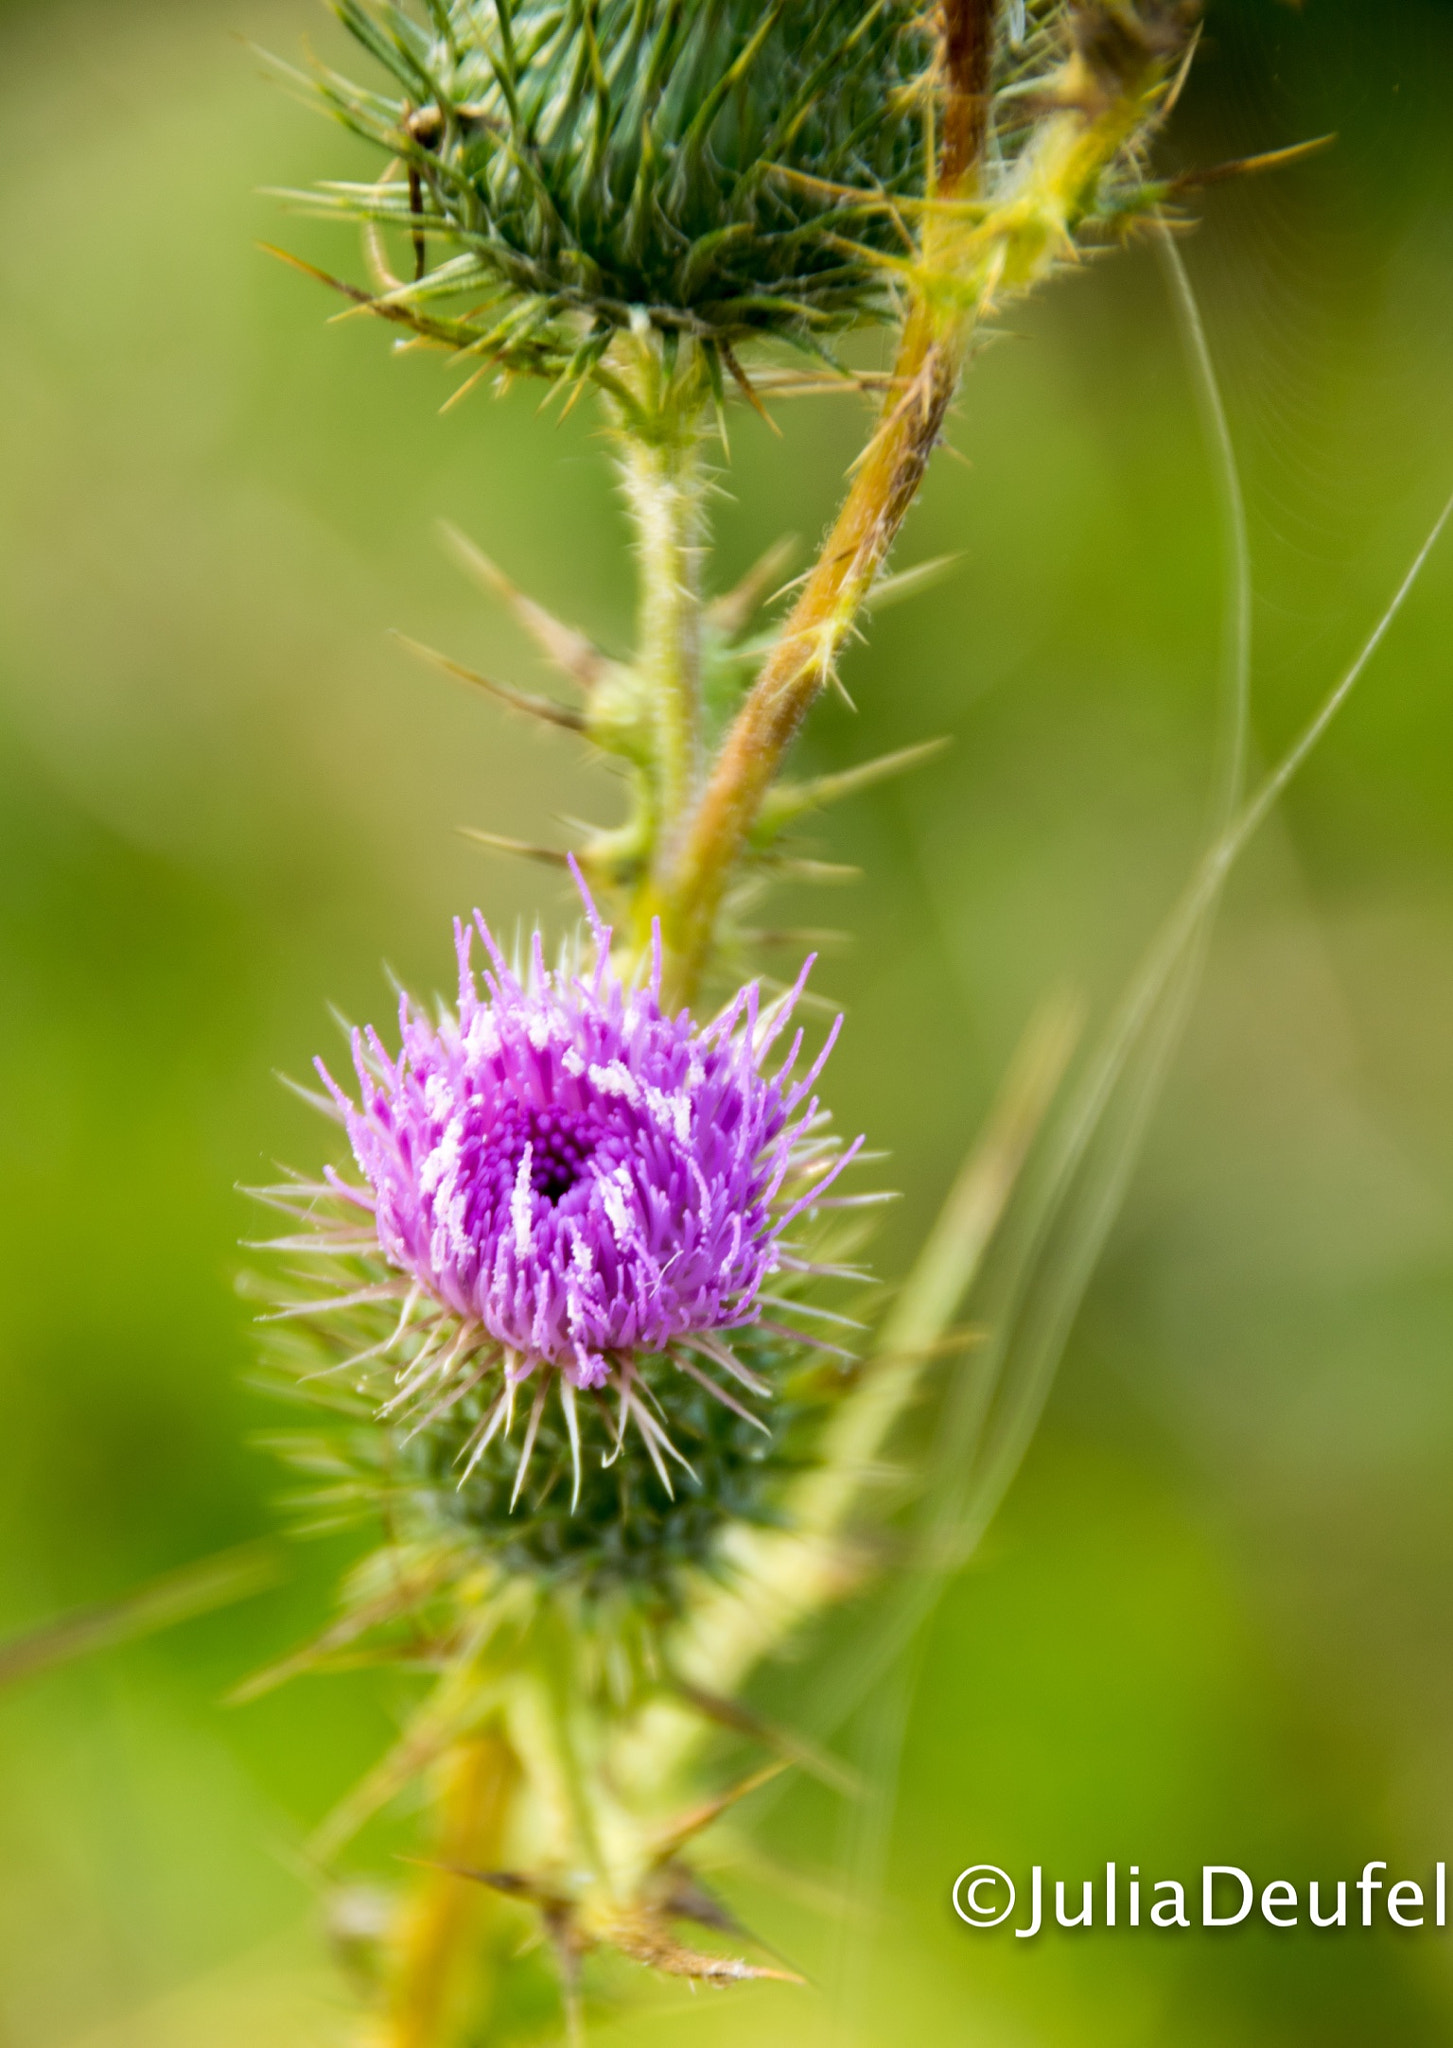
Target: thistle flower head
x=576 y=1173
x=567 y=1184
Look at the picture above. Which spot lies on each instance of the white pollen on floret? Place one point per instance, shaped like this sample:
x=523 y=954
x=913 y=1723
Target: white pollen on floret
x=436 y=1096
x=616 y=1079
x=456 y=1238
x=674 y=1111
x=482 y=1036
x=573 y=1064
x=443 y=1161
x=537 y=1030
x=520 y=1203
x=614 y=1190
x=581 y=1263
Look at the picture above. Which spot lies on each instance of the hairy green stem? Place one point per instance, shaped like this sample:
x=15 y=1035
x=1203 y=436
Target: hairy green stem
x=665 y=494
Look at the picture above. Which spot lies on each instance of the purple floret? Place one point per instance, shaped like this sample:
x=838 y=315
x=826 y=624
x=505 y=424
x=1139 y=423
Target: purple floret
x=575 y=1174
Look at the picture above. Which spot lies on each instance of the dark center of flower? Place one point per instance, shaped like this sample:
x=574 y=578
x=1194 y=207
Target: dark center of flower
x=561 y=1141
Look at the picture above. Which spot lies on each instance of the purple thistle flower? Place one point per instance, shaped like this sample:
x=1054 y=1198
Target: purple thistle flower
x=576 y=1179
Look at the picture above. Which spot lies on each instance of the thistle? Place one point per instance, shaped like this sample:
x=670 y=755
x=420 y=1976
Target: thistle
x=567 y=1184
x=576 y=1345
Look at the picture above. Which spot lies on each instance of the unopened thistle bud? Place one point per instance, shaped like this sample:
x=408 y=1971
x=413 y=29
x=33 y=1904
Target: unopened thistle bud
x=633 y=161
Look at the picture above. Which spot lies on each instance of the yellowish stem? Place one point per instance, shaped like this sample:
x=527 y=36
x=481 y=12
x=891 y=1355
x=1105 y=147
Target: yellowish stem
x=439 y=1986
x=972 y=257
x=801 y=662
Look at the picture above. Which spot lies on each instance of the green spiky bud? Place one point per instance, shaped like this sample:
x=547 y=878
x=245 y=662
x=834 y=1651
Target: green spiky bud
x=570 y=172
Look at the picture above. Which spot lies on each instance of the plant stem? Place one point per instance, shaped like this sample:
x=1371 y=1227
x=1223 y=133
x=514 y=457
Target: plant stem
x=439 y=1982
x=887 y=481
x=889 y=473
x=664 y=491
x=973 y=254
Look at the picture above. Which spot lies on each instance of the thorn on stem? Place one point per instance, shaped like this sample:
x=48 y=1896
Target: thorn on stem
x=499 y=842
x=519 y=700
x=571 y=651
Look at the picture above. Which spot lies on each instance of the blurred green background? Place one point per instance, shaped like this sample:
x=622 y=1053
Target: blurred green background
x=1215 y=1621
